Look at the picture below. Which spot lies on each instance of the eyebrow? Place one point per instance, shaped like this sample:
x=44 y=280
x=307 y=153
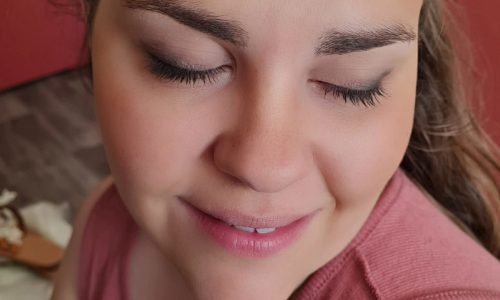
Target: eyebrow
x=343 y=42
x=333 y=42
x=201 y=20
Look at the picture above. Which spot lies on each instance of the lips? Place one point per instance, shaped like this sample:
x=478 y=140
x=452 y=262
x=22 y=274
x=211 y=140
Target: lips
x=245 y=235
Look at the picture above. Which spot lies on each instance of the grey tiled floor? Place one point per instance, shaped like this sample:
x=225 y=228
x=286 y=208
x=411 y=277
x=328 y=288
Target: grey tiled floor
x=50 y=147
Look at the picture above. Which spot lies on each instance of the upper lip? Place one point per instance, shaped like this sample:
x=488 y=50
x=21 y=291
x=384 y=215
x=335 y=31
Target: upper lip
x=234 y=217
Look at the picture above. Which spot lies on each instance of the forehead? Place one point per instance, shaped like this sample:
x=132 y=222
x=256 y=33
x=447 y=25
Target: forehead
x=291 y=23
x=333 y=11
x=297 y=16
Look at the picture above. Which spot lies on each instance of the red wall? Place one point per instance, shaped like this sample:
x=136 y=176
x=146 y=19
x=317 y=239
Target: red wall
x=36 y=40
x=484 y=24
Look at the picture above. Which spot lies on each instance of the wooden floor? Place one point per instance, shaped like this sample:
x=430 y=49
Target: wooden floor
x=50 y=147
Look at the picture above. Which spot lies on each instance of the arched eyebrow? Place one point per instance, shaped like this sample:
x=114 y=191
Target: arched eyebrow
x=332 y=42
x=351 y=40
x=196 y=18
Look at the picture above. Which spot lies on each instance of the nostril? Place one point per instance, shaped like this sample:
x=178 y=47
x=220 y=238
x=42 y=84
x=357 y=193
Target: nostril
x=224 y=165
x=240 y=181
x=261 y=160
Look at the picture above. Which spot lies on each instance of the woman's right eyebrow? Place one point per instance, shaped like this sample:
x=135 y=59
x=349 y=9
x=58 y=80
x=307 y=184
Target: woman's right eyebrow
x=196 y=18
x=332 y=42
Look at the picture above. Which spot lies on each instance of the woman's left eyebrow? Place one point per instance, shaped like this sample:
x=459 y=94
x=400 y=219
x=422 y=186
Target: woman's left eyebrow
x=333 y=42
x=352 y=40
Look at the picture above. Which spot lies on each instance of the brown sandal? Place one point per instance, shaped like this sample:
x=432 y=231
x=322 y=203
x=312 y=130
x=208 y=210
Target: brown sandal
x=22 y=246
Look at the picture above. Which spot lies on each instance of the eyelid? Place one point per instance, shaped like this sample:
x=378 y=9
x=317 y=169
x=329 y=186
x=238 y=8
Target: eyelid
x=366 y=97
x=174 y=58
x=357 y=92
x=185 y=67
x=174 y=71
x=179 y=64
x=360 y=85
x=356 y=87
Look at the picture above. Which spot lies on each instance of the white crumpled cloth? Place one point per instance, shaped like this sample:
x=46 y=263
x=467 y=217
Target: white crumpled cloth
x=49 y=220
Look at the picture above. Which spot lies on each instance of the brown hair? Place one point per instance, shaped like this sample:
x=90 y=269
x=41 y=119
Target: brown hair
x=449 y=156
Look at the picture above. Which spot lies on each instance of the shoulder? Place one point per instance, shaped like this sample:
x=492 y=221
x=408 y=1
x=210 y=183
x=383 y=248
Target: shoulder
x=66 y=285
x=415 y=250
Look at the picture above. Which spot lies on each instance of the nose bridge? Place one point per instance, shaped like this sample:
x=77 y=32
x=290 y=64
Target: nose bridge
x=264 y=149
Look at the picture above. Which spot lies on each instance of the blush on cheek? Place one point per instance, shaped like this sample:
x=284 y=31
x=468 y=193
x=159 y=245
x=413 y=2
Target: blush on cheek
x=149 y=155
x=360 y=161
x=141 y=149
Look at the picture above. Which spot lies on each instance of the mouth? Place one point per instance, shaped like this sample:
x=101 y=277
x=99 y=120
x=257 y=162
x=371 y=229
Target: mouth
x=249 y=236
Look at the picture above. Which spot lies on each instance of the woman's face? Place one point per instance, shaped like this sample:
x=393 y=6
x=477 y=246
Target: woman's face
x=301 y=117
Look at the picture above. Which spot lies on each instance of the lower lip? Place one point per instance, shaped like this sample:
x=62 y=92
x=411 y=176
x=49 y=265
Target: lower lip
x=248 y=244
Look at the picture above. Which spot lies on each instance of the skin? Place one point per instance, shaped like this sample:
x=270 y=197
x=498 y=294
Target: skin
x=262 y=140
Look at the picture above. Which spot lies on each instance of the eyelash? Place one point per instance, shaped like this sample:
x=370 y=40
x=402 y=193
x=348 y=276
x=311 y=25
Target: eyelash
x=169 y=71
x=369 y=97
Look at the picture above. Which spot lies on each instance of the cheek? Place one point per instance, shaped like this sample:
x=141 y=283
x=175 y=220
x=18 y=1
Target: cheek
x=150 y=135
x=361 y=152
x=142 y=149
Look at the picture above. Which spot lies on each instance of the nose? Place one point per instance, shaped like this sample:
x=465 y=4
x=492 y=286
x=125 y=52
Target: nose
x=265 y=149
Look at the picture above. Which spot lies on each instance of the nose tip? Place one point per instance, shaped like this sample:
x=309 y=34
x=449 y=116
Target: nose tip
x=263 y=163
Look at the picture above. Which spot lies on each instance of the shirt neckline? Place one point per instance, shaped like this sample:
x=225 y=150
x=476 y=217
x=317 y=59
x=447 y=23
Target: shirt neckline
x=319 y=279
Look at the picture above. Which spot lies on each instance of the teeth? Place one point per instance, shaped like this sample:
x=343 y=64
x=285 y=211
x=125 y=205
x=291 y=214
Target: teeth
x=265 y=230
x=252 y=230
x=244 y=228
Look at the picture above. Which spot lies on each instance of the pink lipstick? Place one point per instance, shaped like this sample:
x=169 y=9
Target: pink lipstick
x=244 y=235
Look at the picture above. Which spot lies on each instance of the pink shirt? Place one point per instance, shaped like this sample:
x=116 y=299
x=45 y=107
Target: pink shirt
x=407 y=249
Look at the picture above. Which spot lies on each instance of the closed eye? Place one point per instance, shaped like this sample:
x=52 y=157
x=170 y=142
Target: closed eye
x=173 y=72
x=190 y=76
x=366 y=97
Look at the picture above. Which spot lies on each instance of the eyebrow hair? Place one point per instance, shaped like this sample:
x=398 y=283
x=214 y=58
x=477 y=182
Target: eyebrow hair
x=333 y=42
x=343 y=42
x=196 y=18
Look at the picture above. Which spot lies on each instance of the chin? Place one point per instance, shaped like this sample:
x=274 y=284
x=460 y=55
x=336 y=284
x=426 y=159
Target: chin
x=221 y=280
x=211 y=272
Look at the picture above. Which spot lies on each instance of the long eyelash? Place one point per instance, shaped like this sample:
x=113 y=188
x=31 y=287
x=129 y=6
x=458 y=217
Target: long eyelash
x=170 y=71
x=367 y=98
